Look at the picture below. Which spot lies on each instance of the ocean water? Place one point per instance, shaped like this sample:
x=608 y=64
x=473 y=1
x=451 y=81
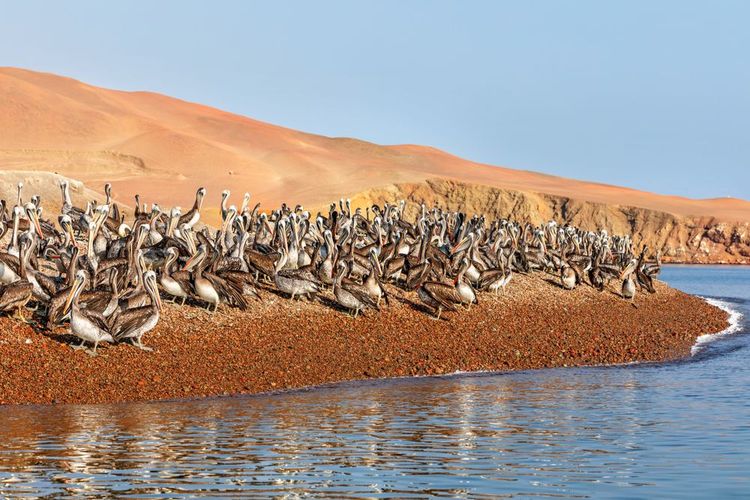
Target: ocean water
x=678 y=429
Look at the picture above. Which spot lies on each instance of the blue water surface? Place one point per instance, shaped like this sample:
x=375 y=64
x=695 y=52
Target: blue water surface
x=678 y=429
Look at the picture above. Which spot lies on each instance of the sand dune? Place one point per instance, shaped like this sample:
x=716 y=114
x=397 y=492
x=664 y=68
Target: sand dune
x=164 y=148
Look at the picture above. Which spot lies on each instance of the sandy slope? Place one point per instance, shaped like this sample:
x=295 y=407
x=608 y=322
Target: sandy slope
x=164 y=148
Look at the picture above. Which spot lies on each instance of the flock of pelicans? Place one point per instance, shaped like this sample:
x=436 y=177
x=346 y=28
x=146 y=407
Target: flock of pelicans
x=106 y=276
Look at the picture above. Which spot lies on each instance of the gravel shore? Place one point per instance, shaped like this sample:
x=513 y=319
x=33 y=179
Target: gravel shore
x=279 y=344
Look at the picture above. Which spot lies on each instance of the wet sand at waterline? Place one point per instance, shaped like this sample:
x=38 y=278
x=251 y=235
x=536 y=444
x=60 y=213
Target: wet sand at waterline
x=279 y=344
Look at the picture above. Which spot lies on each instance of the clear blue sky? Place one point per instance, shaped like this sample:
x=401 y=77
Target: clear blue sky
x=649 y=94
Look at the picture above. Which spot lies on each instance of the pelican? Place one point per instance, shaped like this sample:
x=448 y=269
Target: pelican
x=568 y=277
x=464 y=289
x=224 y=197
x=352 y=296
x=134 y=323
x=193 y=215
x=375 y=288
x=294 y=281
x=209 y=287
x=15 y=296
x=89 y=326
x=175 y=284
x=439 y=296
x=628 y=283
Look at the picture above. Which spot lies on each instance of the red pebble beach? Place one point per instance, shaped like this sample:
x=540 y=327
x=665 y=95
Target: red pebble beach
x=280 y=344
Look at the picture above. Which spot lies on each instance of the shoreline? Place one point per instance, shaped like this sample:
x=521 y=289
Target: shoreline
x=278 y=345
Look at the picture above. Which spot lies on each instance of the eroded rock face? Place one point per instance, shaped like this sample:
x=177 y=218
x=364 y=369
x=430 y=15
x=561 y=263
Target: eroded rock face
x=684 y=239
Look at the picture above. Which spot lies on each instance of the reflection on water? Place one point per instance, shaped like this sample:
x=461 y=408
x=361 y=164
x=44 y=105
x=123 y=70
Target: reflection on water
x=670 y=429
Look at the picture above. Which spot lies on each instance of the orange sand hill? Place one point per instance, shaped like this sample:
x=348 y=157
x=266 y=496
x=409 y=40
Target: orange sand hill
x=164 y=148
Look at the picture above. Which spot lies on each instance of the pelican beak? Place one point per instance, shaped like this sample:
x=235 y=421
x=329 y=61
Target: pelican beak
x=69 y=230
x=460 y=245
x=34 y=218
x=73 y=290
x=629 y=269
x=379 y=266
x=157 y=297
x=189 y=262
x=37 y=226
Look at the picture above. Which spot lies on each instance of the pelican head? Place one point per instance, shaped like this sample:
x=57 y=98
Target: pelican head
x=629 y=269
x=33 y=216
x=199 y=195
x=194 y=259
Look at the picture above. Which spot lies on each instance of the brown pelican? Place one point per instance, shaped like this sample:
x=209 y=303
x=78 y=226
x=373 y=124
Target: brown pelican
x=352 y=296
x=176 y=284
x=325 y=270
x=372 y=283
x=193 y=215
x=134 y=323
x=209 y=287
x=468 y=245
x=295 y=282
x=173 y=223
x=628 y=283
x=652 y=269
x=644 y=279
x=439 y=296
x=43 y=286
x=56 y=308
x=568 y=277
x=464 y=289
x=15 y=296
x=89 y=326
x=113 y=221
x=67 y=204
x=261 y=263
x=104 y=301
x=496 y=279
x=223 y=205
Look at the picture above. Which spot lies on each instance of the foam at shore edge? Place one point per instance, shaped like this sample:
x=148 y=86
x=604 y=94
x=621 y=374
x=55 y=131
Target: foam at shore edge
x=735 y=323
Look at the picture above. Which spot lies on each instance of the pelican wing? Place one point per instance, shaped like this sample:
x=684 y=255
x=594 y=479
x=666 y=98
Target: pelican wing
x=360 y=293
x=243 y=280
x=48 y=284
x=10 y=261
x=183 y=278
x=303 y=273
x=97 y=300
x=260 y=261
x=444 y=294
x=489 y=276
x=96 y=318
x=228 y=290
x=15 y=292
x=130 y=320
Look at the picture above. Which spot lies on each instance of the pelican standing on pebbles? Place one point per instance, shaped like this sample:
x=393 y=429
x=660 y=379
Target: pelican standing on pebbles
x=443 y=255
x=89 y=326
x=134 y=323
